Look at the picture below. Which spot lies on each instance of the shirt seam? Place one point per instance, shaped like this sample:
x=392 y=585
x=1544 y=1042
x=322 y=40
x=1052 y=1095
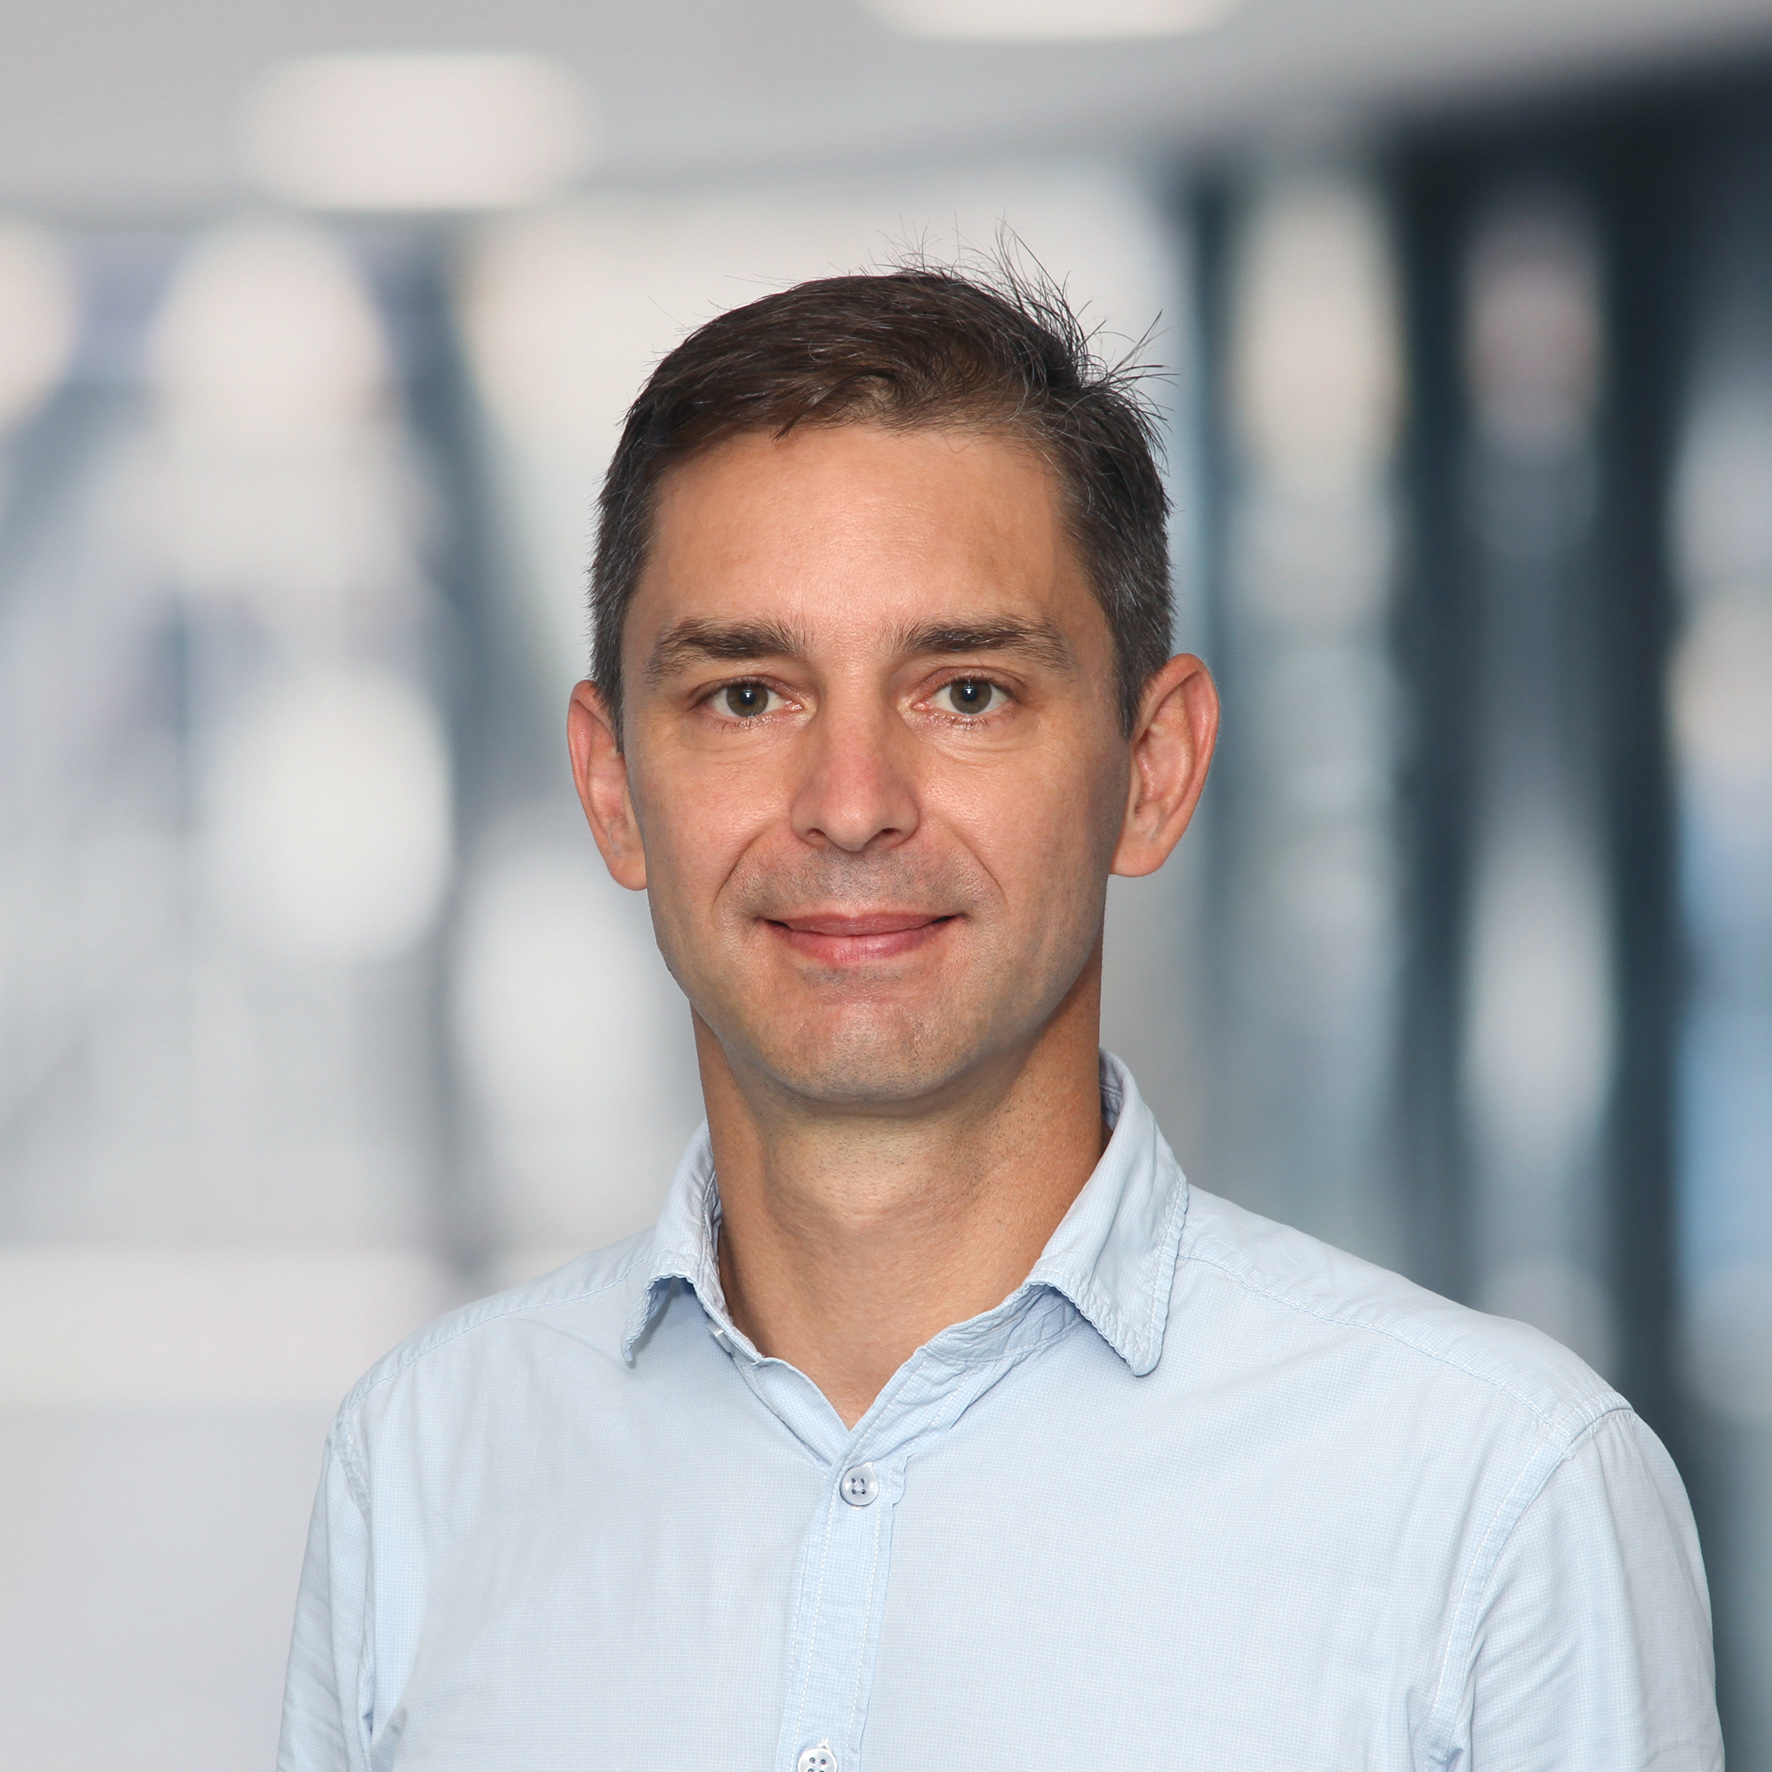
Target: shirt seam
x=1473 y=1592
x=1014 y=1350
x=345 y=1444
x=344 y=1449
x=1566 y=1427
x=957 y=1402
x=813 y=1623
x=1169 y=1250
x=864 y=1661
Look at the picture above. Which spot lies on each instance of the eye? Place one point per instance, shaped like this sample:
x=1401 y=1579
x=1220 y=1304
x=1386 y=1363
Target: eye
x=973 y=695
x=747 y=700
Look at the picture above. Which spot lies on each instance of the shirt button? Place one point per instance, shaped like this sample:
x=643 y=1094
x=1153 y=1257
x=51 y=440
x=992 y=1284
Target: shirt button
x=859 y=1487
x=816 y=1759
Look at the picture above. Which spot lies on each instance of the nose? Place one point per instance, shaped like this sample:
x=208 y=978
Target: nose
x=857 y=793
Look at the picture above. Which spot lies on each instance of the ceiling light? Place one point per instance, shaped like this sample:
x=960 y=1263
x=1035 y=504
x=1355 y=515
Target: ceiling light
x=327 y=815
x=1049 y=20
x=267 y=337
x=435 y=131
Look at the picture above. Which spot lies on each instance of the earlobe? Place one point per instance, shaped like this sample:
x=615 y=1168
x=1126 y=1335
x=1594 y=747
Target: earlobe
x=1171 y=752
x=600 y=772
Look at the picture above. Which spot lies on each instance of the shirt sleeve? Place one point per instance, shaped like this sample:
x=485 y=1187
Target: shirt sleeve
x=1591 y=1648
x=327 y=1697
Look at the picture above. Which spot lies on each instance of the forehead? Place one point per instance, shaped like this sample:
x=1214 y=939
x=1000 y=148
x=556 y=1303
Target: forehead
x=857 y=531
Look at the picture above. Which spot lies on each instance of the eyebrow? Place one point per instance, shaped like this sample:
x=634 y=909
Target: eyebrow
x=695 y=639
x=1039 y=641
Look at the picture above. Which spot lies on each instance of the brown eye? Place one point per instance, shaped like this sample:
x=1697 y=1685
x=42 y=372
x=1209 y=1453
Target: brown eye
x=747 y=699
x=972 y=695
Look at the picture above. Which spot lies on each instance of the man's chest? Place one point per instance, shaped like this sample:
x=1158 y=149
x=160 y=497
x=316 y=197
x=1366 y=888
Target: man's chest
x=1014 y=1593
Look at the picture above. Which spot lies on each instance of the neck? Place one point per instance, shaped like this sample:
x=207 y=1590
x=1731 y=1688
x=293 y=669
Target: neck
x=850 y=1238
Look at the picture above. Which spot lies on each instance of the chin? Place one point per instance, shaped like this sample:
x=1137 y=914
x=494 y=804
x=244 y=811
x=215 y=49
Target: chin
x=871 y=1060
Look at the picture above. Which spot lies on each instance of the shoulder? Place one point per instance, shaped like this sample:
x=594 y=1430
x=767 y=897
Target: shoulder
x=587 y=1299
x=1397 y=1335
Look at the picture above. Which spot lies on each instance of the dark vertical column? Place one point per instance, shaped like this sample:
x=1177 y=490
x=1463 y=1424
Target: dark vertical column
x=487 y=710
x=1436 y=635
x=1672 y=186
x=1613 y=629
x=1642 y=180
x=1716 y=296
x=1207 y=218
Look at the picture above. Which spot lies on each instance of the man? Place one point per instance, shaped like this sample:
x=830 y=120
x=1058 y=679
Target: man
x=938 y=1423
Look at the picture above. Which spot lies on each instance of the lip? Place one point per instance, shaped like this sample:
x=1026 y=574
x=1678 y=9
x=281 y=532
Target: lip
x=838 y=938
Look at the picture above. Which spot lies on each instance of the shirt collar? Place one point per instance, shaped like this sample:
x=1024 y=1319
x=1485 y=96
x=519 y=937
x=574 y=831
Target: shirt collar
x=684 y=1246
x=1113 y=1254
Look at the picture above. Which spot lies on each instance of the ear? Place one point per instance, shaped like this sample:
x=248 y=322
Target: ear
x=600 y=772
x=1171 y=752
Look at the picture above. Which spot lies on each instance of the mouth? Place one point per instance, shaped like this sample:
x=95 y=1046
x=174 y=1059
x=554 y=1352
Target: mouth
x=842 y=939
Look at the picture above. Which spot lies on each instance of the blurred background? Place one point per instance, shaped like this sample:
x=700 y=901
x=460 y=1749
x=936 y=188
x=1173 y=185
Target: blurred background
x=317 y=1014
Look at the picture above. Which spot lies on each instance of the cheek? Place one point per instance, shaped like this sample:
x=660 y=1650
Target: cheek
x=1045 y=827
x=696 y=826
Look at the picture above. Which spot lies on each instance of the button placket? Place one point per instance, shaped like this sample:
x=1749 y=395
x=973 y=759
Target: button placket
x=843 y=1588
x=846 y=1560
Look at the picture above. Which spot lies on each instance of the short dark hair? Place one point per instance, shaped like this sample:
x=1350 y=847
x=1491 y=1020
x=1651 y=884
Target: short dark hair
x=915 y=348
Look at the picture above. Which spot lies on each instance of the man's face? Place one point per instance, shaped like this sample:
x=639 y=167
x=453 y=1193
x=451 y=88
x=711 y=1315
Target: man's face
x=872 y=753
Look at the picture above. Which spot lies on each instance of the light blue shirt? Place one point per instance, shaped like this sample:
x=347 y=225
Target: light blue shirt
x=1202 y=1493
